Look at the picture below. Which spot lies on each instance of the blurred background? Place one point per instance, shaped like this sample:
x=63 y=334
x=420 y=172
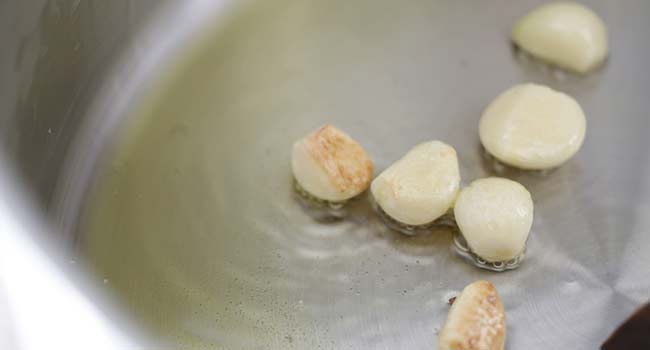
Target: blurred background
x=145 y=191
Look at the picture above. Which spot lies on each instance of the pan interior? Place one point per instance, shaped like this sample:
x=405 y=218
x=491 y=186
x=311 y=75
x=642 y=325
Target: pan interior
x=195 y=227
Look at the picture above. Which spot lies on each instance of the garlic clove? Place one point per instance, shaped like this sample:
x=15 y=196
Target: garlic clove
x=476 y=320
x=495 y=216
x=533 y=127
x=330 y=165
x=566 y=34
x=421 y=186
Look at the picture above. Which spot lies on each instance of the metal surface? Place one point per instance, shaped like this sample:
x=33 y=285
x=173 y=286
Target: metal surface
x=59 y=58
x=194 y=226
x=55 y=57
x=42 y=305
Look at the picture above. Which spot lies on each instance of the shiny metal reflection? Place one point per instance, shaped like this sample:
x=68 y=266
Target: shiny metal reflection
x=194 y=226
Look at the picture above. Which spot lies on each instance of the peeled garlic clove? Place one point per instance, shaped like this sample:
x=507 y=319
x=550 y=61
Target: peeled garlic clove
x=476 y=320
x=495 y=216
x=565 y=34
x=533 y=127
x=330 y=165
x=420 y=187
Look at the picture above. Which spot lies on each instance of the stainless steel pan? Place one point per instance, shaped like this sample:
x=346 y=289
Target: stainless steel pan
x=176 y=196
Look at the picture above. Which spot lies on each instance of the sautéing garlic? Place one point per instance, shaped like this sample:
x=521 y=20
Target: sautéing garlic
x=476 y=320
x=565 y=34
x=330 y=165
x=421 y=186
x=532 y=127
x=494 y=216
